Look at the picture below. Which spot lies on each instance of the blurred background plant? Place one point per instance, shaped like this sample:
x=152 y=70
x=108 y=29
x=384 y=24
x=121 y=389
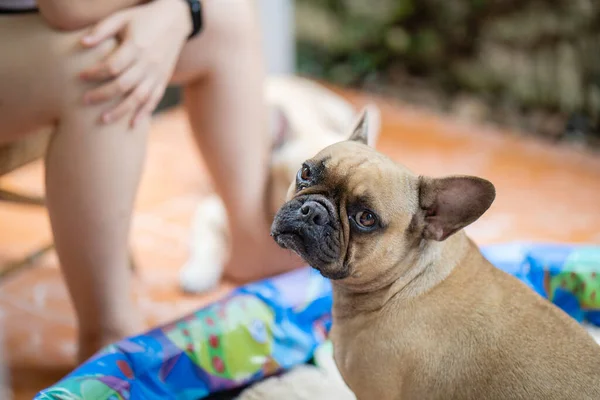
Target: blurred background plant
x=527 y=64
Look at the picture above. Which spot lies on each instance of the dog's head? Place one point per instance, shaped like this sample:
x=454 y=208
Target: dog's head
x=355 y=215
x=305 y=118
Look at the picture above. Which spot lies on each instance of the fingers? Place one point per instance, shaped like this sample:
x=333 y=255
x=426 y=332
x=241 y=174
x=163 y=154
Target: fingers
x=148 y=108
x=104 y=29
x=113 y=65
x=119 y=86
x=139 y=96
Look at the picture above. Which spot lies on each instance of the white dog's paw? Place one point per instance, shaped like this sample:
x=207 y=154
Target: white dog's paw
x=199 y=277
x=208 y=248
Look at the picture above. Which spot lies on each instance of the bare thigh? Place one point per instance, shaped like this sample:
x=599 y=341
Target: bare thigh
x=39 y=73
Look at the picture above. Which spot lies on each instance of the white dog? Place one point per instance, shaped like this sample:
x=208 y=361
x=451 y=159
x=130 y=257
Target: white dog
x=305 y=118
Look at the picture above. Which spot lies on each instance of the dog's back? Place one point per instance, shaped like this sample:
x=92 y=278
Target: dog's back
x=482 y=334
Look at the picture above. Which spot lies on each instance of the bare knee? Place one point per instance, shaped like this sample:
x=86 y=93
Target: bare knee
x=63 y=57
x=231 y=23
x=40 y=73
x=231 y=31
x=75 y=58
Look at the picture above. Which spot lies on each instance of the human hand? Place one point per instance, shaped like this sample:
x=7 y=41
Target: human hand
x=150 y=39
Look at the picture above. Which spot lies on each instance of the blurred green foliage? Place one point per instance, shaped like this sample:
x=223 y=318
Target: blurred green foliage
x=532 y=53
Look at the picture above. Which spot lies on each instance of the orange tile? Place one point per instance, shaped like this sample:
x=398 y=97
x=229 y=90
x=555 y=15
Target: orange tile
x=545 y=193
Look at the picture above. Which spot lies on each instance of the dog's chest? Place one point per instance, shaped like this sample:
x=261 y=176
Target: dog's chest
x=367 y=364
x=394 y=355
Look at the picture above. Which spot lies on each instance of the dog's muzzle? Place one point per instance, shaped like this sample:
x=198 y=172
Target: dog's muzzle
x=309 y=226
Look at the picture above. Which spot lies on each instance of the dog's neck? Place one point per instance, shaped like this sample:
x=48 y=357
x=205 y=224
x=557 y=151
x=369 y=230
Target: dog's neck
x=434 y=262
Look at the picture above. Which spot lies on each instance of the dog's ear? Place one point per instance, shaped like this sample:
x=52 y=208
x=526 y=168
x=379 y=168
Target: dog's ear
x=451 y=203
x=366 y=126
x=280 y=126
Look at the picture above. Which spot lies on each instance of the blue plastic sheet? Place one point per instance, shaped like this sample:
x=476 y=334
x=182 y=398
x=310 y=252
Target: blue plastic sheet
x=567 y=275
x=272 y=325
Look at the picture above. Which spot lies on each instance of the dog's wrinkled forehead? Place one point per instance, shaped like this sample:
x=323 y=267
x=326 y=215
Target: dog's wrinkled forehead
x=362 y=173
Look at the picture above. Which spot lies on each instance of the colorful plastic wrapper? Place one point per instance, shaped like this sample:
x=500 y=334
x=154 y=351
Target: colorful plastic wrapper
x=256 y=331
x=275 y=324
x=567 y=275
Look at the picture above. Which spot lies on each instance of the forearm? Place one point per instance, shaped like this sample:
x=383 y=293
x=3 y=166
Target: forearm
x=72 y=15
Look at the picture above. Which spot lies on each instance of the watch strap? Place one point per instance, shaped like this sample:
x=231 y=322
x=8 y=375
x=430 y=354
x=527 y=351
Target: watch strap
x=197 y=17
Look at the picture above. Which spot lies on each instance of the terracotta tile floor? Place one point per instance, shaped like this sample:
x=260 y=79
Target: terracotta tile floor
x=545 y=193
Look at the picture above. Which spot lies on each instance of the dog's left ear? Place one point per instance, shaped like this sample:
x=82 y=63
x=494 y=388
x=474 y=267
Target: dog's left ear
x=451 y=203
x=366 y=127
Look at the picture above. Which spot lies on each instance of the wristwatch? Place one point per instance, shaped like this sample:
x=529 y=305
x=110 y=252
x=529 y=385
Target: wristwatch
x=196 y=15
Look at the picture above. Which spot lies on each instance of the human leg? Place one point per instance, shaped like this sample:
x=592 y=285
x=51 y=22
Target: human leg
x=223 y=76
x=92 y=171
x=92 y=175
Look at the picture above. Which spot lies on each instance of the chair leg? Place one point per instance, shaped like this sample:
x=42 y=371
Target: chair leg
x=25 y=262
x=12 y=197
x=30 y=259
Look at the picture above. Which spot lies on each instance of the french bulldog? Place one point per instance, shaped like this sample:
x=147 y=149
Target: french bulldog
x=305 y=117
x=418 y=312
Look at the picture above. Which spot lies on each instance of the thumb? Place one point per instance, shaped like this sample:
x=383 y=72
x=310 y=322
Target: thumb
x=105 y=29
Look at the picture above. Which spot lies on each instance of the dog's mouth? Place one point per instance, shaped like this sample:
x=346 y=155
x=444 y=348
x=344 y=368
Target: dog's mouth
x=316 y=239
x=291 y=241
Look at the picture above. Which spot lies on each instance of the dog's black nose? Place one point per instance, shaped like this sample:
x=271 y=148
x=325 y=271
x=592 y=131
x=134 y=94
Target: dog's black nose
x=314 y=212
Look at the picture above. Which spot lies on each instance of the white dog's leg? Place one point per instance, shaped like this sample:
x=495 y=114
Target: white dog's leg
x=303 y=382
x=209 y=247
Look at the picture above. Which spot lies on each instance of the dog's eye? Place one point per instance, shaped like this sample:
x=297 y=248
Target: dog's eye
x=304 y=173
x=365 y=219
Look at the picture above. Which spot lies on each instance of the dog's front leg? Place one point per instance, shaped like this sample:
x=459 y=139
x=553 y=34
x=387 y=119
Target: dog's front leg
x=209 y=247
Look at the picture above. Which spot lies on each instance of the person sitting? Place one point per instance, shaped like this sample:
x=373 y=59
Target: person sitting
x=94 y=71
